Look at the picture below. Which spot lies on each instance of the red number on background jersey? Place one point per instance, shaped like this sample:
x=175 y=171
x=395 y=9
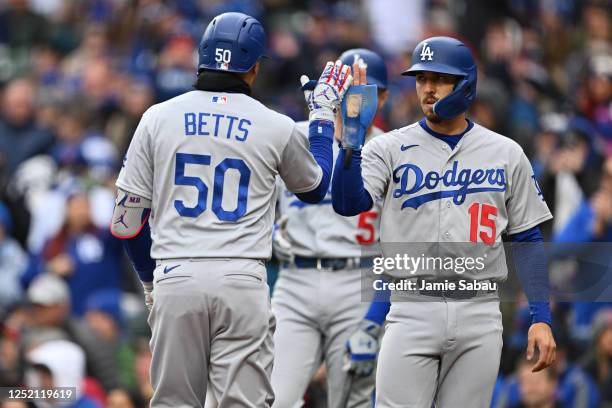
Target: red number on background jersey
x=366 y=223
x=488 y=211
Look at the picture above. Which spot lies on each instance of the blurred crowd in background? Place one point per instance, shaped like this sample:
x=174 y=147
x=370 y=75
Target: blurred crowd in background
x=76 y=76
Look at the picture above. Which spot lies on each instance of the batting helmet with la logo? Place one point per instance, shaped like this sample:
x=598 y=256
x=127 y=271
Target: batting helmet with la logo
x=447 y=55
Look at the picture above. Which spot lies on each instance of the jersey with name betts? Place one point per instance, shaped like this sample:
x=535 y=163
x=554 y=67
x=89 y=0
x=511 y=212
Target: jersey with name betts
x=316 y=231
x=474 y=193
x=208 y=162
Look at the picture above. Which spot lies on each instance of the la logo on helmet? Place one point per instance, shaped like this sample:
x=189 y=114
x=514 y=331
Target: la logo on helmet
x=426 y=52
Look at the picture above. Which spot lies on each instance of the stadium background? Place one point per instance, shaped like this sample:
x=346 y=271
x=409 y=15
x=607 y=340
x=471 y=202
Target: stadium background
x=75 y=77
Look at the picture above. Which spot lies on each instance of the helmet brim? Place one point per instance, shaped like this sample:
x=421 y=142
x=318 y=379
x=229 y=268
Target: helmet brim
x=434 y=67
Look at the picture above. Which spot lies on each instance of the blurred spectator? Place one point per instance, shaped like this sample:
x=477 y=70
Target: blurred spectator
x=59 y=363
x=20 y=27
x=70 y=131
x=123 y=398
x=598 y=362
x=13 y=261
x=591 y=223
x=104 y=317
x=86 y=256
x=49 y=318
x=136 y=97
x=176 y=69
x=574 y=388
x=537 y=390
x=49 y=306
x=20 y=137
x=573 y=167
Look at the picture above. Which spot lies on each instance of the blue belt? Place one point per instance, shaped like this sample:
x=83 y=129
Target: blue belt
x=334 y=264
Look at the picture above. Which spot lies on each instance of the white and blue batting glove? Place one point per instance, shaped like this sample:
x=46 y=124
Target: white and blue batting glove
x=328 y=92
x=281 y=247
x=362 y=348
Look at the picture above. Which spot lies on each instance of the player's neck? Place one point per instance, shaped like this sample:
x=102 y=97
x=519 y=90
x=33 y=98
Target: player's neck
x=449 y=127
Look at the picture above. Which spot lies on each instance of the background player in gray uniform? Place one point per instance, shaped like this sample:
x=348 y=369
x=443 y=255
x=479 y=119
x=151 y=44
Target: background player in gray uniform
x=204 y=165
x=317 y=297
x=447 y=180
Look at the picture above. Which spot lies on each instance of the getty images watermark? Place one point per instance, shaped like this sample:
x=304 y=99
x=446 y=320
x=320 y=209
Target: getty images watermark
x=404 y=264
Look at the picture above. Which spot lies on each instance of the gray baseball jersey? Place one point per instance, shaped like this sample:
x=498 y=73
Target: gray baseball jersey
x=208 y=162
x=474 y=193
x=315 y=230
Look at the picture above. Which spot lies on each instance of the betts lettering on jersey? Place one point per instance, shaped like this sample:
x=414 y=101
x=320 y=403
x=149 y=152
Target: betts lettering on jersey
x=411 y=180
x=217 y=125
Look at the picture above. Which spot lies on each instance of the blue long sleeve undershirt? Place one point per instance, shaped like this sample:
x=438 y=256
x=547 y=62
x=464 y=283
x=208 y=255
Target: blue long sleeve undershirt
x=531 y=266
x=320 y=136
x=138 y=250
x=349 y=196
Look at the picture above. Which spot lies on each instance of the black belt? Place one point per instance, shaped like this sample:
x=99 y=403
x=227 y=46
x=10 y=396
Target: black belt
x=334 y=264
x=457 y=294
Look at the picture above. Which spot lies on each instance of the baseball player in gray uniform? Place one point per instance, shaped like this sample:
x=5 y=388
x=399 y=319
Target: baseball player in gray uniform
x=202 y=169
x=448 y=181
x=317 y=297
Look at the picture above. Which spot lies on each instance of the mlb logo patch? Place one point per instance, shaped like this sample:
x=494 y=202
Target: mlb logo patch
x=224 y=66
x=219 y=99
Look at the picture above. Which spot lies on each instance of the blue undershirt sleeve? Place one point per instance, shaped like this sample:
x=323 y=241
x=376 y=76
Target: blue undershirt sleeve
x=320 y=136
x=349 y=196
x=138 y=250
x=530 y=263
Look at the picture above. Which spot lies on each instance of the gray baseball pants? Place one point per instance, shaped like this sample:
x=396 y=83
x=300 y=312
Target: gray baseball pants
x=316 y=312
x=439 y=351
x=211 y=326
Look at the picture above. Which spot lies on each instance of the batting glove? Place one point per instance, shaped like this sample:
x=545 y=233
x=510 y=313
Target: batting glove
x=148 y=293
x=280 y=243
x=361 y=349
x=326 y=96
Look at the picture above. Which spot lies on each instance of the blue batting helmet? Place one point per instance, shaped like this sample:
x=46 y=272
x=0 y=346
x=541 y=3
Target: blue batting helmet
x=232 y=42
x=447 y=55
x=376 y=72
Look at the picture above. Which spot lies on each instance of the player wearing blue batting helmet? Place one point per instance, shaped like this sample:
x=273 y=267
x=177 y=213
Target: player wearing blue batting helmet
x=376 y=73
x=232 y=42
x=376 y=70
x=445 y=55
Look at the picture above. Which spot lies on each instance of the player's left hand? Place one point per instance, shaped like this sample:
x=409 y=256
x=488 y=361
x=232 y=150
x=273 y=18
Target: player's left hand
x=361 y=349
x=540 y=336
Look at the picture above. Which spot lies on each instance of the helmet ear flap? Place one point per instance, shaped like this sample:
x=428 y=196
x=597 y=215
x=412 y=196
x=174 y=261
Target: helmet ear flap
x=456 y=102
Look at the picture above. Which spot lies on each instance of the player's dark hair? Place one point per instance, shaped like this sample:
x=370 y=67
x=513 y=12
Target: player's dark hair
x=219 y=81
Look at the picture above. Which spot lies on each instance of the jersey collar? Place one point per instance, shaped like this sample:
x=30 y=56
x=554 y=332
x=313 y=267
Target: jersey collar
x=451 y=140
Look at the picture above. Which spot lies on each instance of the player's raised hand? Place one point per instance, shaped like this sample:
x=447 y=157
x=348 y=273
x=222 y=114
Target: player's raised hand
x=359 y=72
x=540 y=336
x=329 y=91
